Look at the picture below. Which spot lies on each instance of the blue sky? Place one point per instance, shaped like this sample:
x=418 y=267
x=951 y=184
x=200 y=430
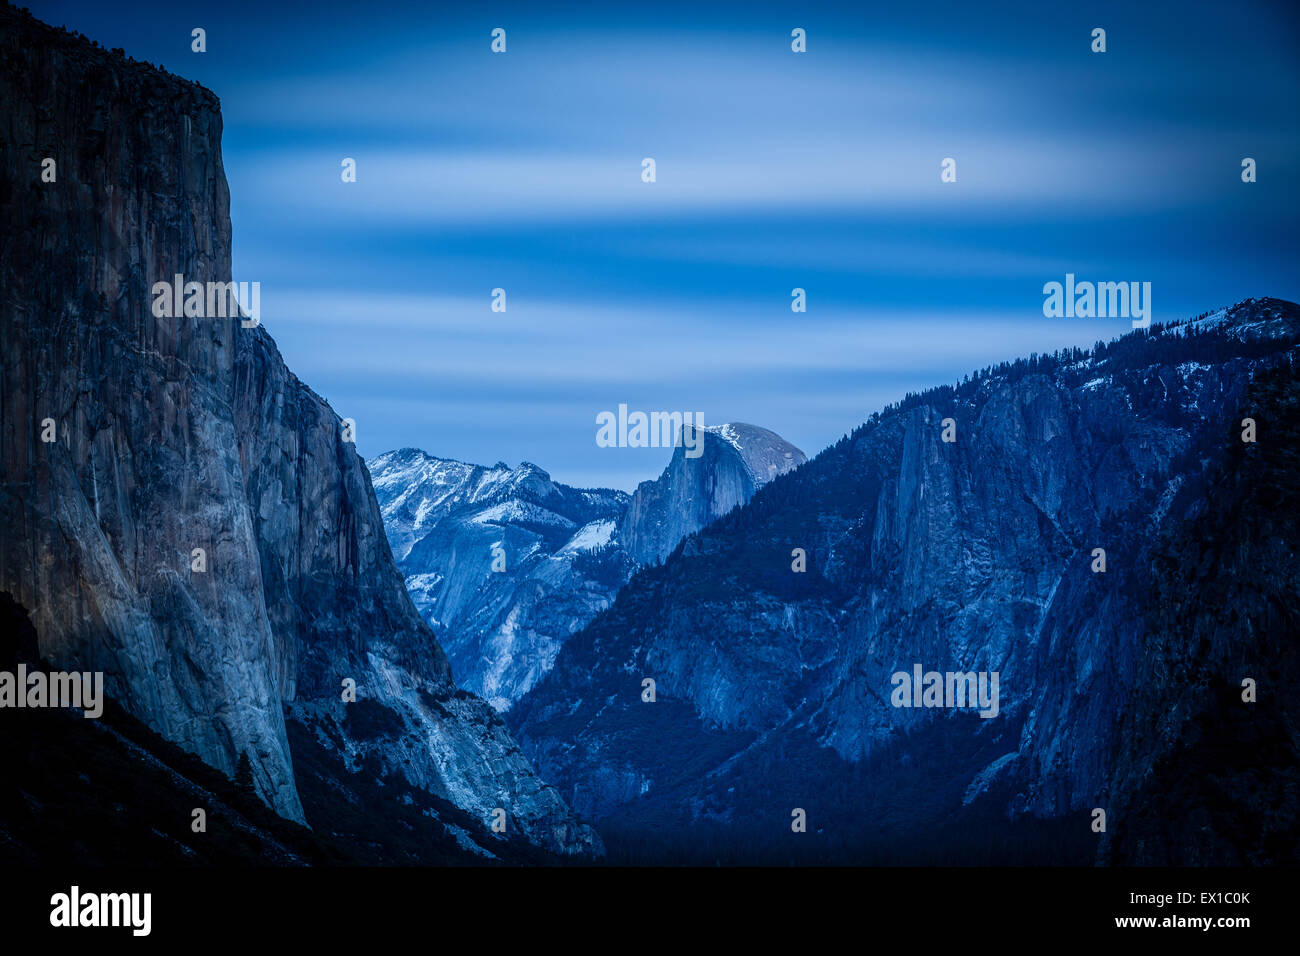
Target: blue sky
x=775 y=170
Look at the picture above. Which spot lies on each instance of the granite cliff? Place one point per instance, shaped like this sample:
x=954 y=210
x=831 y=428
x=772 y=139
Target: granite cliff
x=773 y=685
x=129 y=442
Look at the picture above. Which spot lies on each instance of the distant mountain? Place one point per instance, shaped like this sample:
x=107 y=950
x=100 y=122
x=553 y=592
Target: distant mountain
x=774 y=686
x=501 y=630
x=736 y=461
x=565 y=551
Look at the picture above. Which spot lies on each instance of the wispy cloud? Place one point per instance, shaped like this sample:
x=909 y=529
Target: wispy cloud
x=774 y=170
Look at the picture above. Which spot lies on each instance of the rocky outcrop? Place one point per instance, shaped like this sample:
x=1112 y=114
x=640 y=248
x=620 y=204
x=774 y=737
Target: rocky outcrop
x=507 y=564
x=735 y=461
x=180 y=435
x=979 y=554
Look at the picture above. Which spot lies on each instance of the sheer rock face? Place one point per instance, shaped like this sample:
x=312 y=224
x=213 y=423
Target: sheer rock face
x=175 y=434
x=735 y=461
x=975 y=555
x=563 y=552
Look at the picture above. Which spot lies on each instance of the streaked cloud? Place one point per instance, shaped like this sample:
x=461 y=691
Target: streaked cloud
x=775 y=170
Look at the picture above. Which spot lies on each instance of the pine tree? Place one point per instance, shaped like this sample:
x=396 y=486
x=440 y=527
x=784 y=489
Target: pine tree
x=244 y=772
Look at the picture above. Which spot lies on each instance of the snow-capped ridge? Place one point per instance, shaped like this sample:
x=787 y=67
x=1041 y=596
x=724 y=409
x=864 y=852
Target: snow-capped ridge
x=560 y=553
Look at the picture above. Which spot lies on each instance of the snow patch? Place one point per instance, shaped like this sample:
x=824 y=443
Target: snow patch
x=515 y=510
x=729 y=434
x=423 y=582
x=595 y=534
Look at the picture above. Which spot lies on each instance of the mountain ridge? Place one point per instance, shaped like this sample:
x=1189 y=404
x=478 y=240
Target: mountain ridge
x=560 y=552
x=972 y=555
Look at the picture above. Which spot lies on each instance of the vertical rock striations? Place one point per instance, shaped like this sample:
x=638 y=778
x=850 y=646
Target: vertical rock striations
x=774 y=687
x=735 y=461
x=176 y=434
